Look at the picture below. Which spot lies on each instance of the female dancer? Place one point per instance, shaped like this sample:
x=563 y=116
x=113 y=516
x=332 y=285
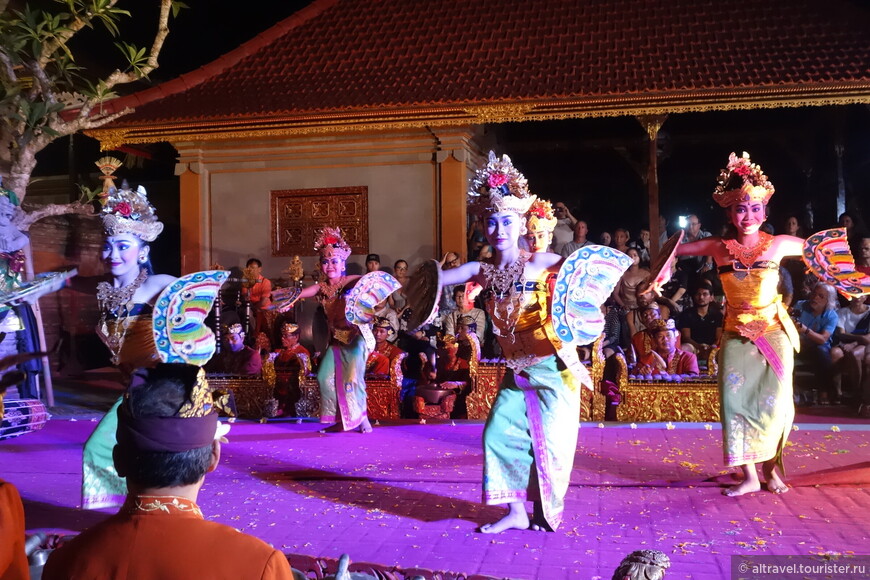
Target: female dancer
x=342 y=370
x=125 y=327
x=757 y=356
x=531 y=433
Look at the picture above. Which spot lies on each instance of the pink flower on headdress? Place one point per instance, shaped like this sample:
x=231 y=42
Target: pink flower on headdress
x=124 y=209
x=742 y=170
x=497 y=179
x=539 y=211
x=331 y=240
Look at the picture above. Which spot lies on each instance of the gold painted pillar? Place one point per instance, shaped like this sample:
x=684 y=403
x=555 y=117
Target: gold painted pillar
x=452 y=220
x=192 y=220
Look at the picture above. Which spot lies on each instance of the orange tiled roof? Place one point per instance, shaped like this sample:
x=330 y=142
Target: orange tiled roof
x=393 y=61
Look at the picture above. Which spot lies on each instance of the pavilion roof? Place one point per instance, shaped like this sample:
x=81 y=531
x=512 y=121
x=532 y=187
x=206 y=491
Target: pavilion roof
x=358 y=64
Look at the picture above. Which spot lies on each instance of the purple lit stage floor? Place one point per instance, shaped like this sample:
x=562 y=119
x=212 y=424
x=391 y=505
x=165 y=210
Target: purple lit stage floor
x=409 y=494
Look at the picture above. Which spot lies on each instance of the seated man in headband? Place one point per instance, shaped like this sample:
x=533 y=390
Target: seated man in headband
x=169 y=437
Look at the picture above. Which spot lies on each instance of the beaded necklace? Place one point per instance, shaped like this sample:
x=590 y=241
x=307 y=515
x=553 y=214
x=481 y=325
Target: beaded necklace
x=507 y=301
x=117 y=302
x=749 y=255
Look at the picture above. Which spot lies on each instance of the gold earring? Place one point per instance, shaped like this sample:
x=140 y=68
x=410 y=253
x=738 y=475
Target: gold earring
x=142 y=259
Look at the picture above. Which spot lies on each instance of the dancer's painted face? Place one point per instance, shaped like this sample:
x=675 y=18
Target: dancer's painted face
x=121 y=253
x=747 y=216
x=539 y=241
x=332 y=266
x=503 y=230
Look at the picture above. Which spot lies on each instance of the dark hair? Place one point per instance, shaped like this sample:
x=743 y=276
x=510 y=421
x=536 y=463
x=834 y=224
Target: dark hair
x=456 y=289
x=161 y=398
x=254 y=261
x=396 y=265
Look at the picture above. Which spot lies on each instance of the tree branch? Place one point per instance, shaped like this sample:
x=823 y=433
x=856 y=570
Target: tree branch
x=119 y=78
x=53 y=209
x=51 y=46
x=8 y=69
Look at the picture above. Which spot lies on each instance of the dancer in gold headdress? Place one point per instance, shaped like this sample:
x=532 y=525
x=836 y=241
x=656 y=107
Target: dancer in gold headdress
x=125 y=302
x=531 y=433
x=757 y=356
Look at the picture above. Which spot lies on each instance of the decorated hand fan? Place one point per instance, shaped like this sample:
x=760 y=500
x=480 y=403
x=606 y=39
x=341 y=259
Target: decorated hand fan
x=585 y=281
x=179 y=315
x=423 y=293
x=366 y=294
x=284 y=298
x=660 y=269
x=827 y=255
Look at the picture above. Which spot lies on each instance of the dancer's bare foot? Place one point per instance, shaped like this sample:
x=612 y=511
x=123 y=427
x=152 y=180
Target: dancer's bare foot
x=775 y=484
x=539 y=522
x=516 y=519
x=742 y=489
x=332 y=429
x=365 y=426
x=750 y=482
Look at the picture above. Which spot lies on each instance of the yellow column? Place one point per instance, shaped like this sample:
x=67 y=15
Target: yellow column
x=192 y=218
x=454 y=183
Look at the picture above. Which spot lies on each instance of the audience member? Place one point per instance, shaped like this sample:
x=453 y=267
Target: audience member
x=644 y=245
x=168 y=439
x=236 y=358
x=673 y=297
x=850 y=348
x=605 y=239
x=626 y=290
x=665 y=358
x=862 y=256
x=581 y=231
x=397 y=299
x=464 y=307
x=816 y=323
x=616 y=332
x=641 y=341
x=621 y=239
x=693 y=233
x=701 y=325
x=451 y=369
x=793 y=227
x=373 y=263
x=564 y=230
x=663 y=231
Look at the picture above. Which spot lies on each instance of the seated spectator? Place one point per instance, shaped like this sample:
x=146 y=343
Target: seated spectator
x=626 y=289
x=605 y=239
x=816 y=323
x=701 y=325
x=616 y=335
x=373 y=263
x=383 y=310
x=464 y=307
x=862 y=257
x=169 y=437
x=665 y=359
x=621 y=239
x=644 y=244
x=581 y=231
x=235 y=358
x=672 y=297
x=385 y=353
x=466 y=334
x=850 y=349
x=397 y=299
x=290 y=359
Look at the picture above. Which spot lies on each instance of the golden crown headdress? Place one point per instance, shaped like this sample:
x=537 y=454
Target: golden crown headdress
x=742 y=180
x=497 y=187
x=235 y=328
x=129 y=212
x=289 y=329
x=330 y=242
x=541 y=217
